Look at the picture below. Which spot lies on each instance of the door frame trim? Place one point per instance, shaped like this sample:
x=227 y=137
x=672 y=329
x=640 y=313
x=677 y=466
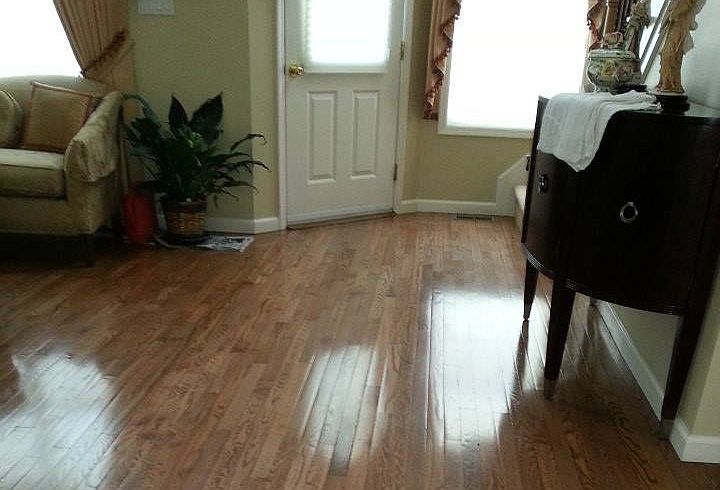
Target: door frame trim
x=281 y=112
x=402 y=119
x=403 y=104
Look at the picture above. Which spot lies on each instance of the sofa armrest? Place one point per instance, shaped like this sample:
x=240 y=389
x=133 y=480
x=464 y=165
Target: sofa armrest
x=93 y=153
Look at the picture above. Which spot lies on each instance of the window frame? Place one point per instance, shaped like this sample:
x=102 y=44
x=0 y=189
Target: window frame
x=327 y=68
x=482 y=131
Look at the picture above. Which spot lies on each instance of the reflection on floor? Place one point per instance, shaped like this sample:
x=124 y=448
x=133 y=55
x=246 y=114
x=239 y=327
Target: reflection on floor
x=386 y=353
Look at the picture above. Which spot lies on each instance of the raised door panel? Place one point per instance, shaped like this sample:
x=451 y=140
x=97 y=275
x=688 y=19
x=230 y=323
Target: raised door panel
x=322 y=136
x=366 y=114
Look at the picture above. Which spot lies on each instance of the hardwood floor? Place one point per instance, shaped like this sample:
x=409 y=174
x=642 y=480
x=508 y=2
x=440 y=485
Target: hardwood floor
x=380 y=354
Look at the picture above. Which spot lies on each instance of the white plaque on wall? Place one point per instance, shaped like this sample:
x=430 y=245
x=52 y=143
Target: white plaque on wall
x=156 y=7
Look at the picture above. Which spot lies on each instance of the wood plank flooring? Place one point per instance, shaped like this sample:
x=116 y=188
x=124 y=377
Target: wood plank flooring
x=381 y=354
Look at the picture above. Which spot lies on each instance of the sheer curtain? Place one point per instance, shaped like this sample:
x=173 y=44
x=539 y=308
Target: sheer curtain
x=98 y=34
x=33 y=40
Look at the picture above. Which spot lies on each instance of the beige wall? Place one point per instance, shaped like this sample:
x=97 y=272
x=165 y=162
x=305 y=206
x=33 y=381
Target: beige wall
x=229 y=46
x=263 y=102
x=200 y=51
x=462 y=168
x=653 y=334
x=702 y=80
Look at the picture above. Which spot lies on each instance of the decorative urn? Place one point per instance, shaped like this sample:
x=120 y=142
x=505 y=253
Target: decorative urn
x=612 y=66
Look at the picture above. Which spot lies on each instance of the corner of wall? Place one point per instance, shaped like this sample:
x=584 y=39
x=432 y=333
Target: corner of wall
x=505 y=199
x=690 y=447
x=262 y=63
x=174 y=54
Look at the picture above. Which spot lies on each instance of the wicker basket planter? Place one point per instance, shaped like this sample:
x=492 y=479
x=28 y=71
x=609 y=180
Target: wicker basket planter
x=185 y=220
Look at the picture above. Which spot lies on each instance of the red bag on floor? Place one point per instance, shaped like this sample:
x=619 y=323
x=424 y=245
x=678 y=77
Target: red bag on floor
x=139 y=214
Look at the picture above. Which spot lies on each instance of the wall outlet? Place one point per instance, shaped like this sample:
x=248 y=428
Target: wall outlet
x=156 y=7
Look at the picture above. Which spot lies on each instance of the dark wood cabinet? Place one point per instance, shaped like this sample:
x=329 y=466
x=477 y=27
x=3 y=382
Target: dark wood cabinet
x=640 y=227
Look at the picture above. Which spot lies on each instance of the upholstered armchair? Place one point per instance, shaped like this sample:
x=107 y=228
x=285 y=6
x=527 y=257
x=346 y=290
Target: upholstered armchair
x=47 y=190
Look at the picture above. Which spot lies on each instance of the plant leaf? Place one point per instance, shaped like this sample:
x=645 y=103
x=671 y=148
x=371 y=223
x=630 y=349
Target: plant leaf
x=177 y=117
x=206 y=119
x=147 y=110
x=250 y=136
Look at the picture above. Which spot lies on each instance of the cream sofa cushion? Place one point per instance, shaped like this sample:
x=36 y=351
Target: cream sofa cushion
x=31 y=173
x=56 y=115
x=21 y=87
x=11 y=119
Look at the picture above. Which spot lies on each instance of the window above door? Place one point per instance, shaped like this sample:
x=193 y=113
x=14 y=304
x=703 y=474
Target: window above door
x=346 y=36
x=504 y=55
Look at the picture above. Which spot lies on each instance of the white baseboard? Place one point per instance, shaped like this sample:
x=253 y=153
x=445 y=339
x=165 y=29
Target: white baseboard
x=520 y=192
x=649 y=384
x=239 y=225
x=694 y=448
x=689 y=447
x=448 y=207
x=266 y=225
x=504 y=204
x=507 y=181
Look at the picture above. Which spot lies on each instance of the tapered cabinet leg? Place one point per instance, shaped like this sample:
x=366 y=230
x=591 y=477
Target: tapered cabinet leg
x=686 y=340
x=531 y=278
x=560 y=313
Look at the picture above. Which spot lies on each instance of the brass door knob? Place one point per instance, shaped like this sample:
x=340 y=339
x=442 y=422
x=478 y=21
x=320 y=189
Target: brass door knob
x=295 y=70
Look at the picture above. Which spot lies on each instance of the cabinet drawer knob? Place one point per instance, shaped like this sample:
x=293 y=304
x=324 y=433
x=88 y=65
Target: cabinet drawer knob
x=543 y=183
x=629 y=213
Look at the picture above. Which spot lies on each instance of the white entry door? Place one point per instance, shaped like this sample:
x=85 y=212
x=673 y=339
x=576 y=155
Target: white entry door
x=342 y=82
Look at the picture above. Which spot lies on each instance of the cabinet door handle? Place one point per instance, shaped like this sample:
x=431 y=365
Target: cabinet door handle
x=629 y=212
x=543 y=183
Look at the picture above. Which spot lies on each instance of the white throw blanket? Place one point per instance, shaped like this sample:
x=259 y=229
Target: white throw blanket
x=574 y=124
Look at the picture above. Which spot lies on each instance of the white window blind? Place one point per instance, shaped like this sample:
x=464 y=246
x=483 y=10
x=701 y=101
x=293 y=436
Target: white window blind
x=507 y=53
x=346 y=36
x=32 y=40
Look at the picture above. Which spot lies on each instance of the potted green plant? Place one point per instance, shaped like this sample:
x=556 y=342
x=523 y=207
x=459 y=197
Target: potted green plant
x=186 y=163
